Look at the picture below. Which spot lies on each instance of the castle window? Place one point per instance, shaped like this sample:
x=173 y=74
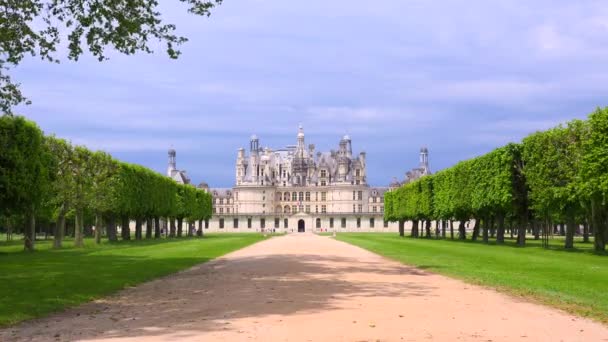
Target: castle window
x=316 y=196
x=381 y=209
x=358 y=222
x=294 y=209
x=277 y=222
x=323 y=196
x=331 y=222
x=301 y=209
x=316 y=208
x=285 y=223
x=221 y=223
x=343 y=223
x=358 y=172
x=294 y=196
x=323 y=208
x=357 y=182
x=374 y=199
x=323 y=183
x=286 y=209
x=301 y=198
x=308 y=209
x=360 y=207
x=249 y=222
x=221 y=210
x=323 y=173
x=279 y=196
x=354 y=208
x=374 y=209
x=318 y=223
x=235 y=223
x=262 y=223
x=286 y=196
x=307 y=196
x=354 y=195
x=214 y=210
x=221 y=201
x=371 y=222
x=360 y=195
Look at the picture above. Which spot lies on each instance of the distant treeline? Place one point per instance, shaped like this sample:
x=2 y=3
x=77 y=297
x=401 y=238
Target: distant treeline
x=47 y=180
x=558 y=176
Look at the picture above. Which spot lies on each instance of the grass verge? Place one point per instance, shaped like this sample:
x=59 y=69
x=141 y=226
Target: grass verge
x=35 y=284
x=574 y=281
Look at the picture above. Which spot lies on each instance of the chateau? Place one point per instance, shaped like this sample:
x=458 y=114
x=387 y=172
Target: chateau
x=298 y=189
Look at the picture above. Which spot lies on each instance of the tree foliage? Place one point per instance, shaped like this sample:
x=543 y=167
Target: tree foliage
x=555 y=176
x=48 y=177
x=37 y=27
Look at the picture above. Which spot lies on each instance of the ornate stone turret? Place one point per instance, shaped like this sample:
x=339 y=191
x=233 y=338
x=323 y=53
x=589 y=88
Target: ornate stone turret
x=172 y=165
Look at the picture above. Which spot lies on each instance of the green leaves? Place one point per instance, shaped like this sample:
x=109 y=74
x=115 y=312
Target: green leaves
x=31 y=27
x=46 y=174
x=553 y=174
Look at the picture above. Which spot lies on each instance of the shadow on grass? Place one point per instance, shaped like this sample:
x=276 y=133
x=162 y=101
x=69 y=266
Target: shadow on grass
x=530 y=243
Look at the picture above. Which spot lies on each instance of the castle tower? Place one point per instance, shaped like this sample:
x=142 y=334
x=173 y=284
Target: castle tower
x=254 y=158
x=172 y=165
x=240 y=165
x=424 y=161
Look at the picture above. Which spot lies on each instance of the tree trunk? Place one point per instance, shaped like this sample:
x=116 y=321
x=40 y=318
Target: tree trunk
x=570 y=229
x=138 y=234
x=180 y=222
x=598 y=225
x=444 y=225
x=172 y=228
x=157 y=227
x=437 y=229
x=475 y=230
x=112 y=235
x=401 y=228
x=486 y=227
x=29 y=233
x=462 y=233
x=60 y=229
x=148 y=228
x=521 y=235
x=451 y=229
x=199 y=232
x=414 y=232
x=98 y=228
x=500 y=231
x=427 y=229
x=125 y=230
x=79 y=229
x=585 y=231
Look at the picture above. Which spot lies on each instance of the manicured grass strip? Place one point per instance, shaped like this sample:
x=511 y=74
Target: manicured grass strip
x=575 y=281
x=35 y=284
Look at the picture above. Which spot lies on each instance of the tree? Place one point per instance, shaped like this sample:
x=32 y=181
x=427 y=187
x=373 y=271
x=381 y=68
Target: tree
x=24 y=176
x=594 y=174
x=35 y=28
x=63 y=184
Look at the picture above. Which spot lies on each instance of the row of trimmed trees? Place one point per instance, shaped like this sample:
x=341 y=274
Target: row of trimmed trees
x=558 y=176
x=44 y=178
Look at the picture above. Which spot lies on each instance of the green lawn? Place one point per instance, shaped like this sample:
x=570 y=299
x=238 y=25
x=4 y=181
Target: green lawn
x=34 y=284
x=576 y=281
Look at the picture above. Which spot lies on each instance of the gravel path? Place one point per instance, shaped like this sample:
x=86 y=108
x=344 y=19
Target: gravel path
x=307 y=288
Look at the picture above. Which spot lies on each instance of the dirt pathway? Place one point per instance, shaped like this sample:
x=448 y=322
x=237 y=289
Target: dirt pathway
x=307 y=288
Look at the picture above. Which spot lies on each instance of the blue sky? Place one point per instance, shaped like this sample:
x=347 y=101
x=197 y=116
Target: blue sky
x=461 y=77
